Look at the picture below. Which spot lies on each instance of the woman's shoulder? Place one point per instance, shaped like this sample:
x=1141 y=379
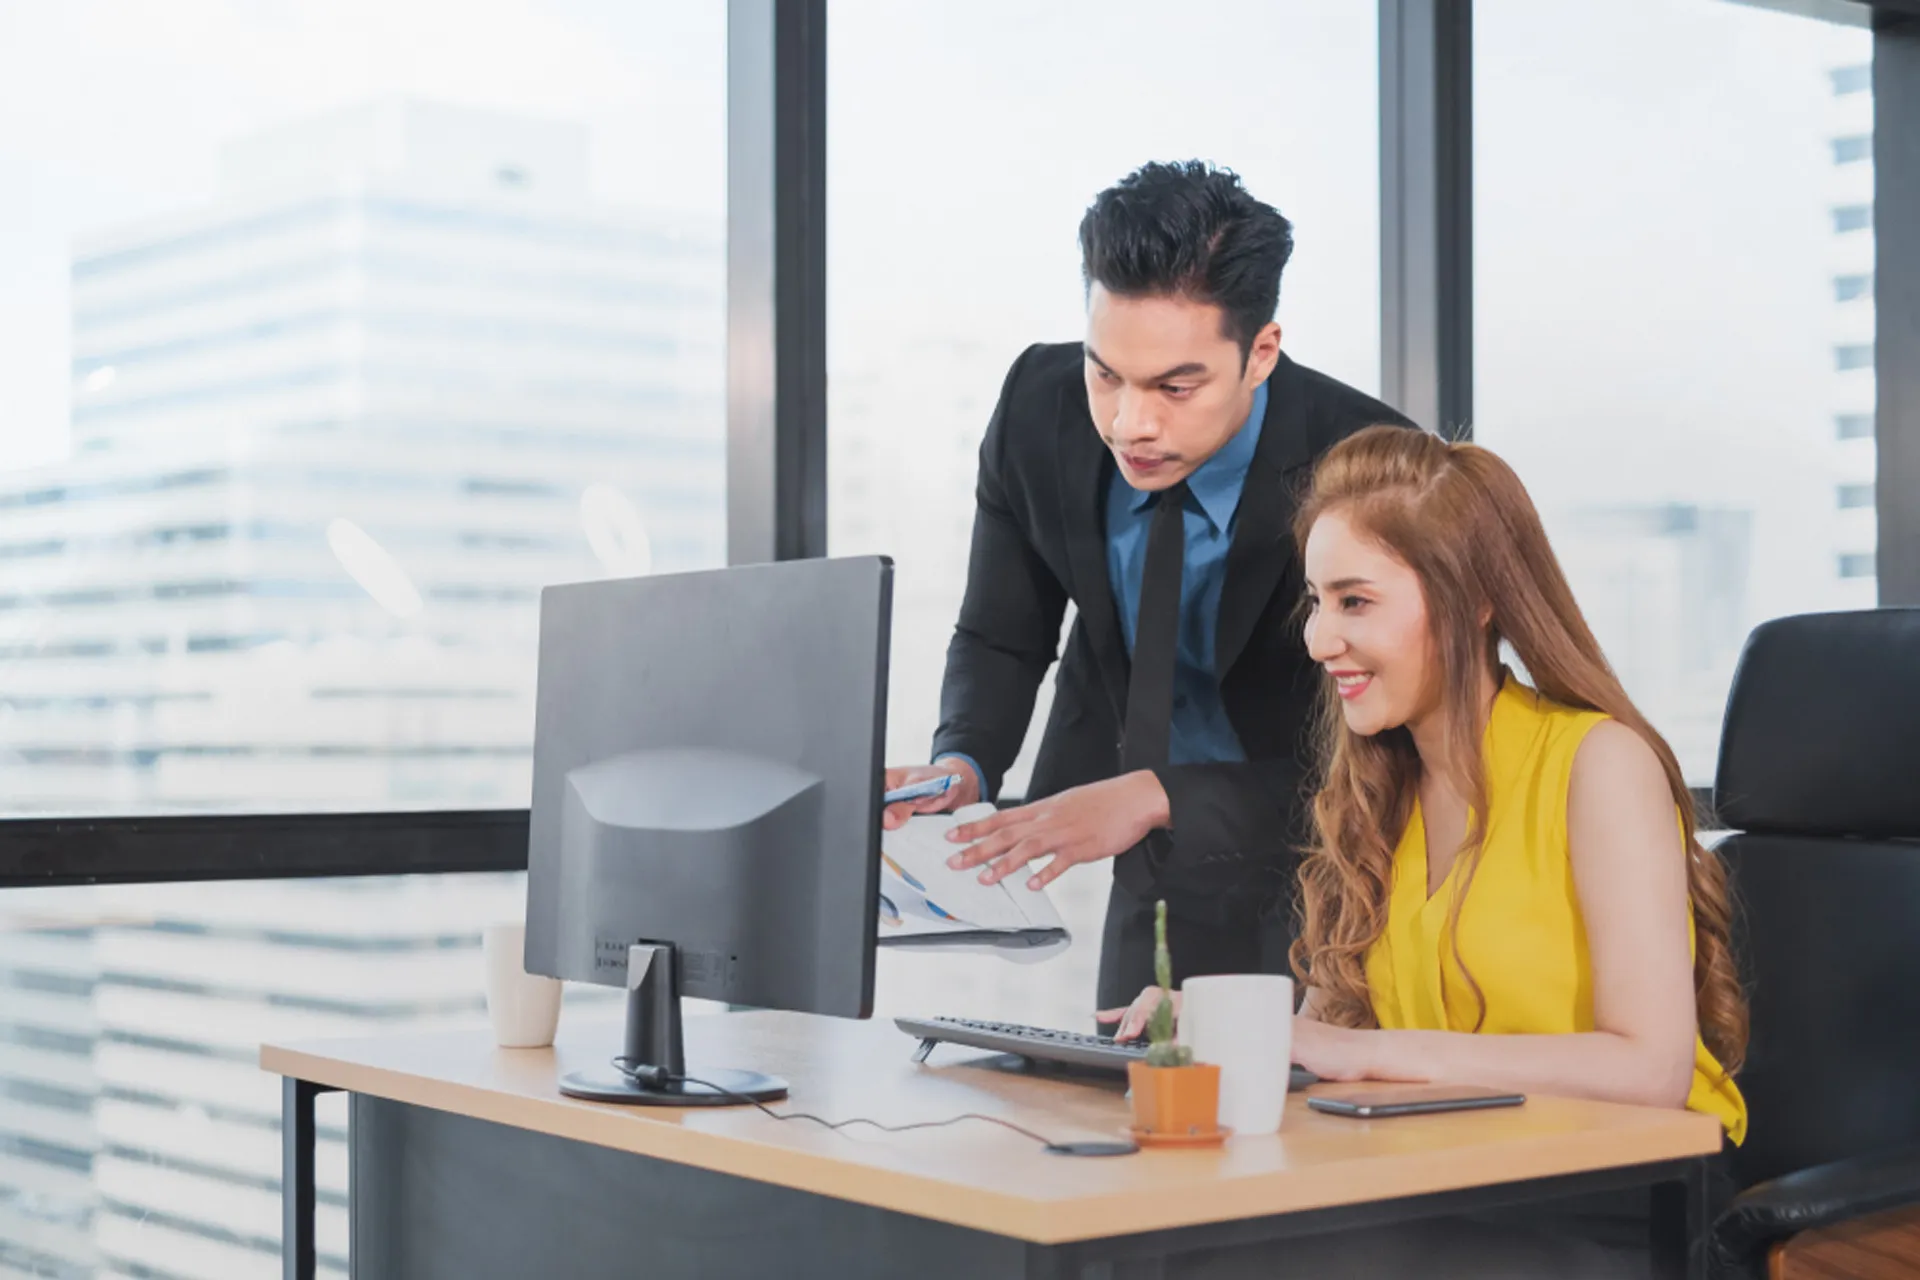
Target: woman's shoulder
x=1609 y=751
x=1606 y=766
x=1547 y=721
x=1591 y=735
x=1561 y=740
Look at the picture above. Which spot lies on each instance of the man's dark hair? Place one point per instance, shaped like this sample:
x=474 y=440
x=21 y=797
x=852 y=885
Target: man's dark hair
x=1189 y=230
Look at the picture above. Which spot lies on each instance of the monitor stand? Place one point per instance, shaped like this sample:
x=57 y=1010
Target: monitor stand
x=653 y=1055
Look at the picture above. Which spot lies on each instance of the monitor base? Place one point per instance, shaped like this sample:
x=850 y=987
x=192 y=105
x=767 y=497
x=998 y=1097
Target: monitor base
x=653 y=1049
x=736 y=1088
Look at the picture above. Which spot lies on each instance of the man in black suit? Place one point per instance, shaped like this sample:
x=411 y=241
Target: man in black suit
x=1148 y=475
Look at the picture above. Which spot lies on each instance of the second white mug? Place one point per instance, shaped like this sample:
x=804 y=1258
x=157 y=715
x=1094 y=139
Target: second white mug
x=1243 y=1023
x=523 y=1007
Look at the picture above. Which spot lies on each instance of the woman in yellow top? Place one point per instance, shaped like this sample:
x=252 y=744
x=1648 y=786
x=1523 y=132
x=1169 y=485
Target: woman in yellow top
x=1504 y=885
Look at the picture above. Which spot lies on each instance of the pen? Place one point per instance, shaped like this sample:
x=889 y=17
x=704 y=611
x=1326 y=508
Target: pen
x=920 y=790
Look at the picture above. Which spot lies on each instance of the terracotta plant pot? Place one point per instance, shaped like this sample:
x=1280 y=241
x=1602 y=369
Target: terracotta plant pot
x=1177 y=1104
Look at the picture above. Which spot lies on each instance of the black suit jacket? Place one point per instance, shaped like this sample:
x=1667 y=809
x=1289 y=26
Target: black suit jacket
x=1039 y=540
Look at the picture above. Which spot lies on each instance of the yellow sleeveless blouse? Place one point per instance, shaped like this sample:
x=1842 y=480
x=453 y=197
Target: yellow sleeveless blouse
x=1521 y=932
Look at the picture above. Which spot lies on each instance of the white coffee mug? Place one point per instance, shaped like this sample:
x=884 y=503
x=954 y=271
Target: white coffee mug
x=524 y=1009
x=1243 y=1023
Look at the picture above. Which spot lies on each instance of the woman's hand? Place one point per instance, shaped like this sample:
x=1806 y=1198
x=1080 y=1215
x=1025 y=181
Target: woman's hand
x=1133 y=1018
x=1332 y=1053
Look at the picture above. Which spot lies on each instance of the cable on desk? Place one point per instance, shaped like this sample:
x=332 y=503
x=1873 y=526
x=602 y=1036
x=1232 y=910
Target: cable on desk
x=655 y=1077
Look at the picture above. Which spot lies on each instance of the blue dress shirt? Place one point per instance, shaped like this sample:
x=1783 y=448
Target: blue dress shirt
x=1201 y=731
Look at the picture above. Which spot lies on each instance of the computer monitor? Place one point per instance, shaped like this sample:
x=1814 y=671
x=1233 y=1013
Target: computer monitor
x=707 y=773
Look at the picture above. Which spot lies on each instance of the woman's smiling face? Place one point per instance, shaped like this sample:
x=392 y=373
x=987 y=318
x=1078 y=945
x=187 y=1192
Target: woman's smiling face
x=1368 y=628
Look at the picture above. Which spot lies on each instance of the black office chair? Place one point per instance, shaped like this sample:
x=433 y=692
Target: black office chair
x=1819 y=775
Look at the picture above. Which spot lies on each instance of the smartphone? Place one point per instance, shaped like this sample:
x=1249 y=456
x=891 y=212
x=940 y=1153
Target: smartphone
x=1412 y=1100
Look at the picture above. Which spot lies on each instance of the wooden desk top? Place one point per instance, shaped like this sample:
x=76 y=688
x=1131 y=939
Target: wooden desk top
x=980 y=1175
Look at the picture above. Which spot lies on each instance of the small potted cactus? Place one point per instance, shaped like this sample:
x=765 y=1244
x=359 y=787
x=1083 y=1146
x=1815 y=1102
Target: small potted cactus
x=1176 y=1101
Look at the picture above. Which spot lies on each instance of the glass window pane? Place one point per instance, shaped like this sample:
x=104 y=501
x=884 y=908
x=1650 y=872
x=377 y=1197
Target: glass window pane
x=336 y=332
x=138 y=1136
x=967 y=141
x=1684 y=395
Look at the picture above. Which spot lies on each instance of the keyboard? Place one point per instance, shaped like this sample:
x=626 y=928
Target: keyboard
x=1040 y=1044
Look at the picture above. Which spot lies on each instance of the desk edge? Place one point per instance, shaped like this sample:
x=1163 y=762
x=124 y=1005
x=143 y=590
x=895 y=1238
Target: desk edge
x=1035 y=1221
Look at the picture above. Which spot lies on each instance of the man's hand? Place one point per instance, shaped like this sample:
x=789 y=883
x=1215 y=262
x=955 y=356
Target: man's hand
x=958 y=796
x=1096 y=821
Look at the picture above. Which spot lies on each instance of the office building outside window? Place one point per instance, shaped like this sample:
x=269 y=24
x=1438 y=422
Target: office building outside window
x=330 y=434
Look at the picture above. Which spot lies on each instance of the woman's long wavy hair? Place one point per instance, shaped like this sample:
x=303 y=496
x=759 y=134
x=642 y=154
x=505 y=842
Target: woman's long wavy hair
x=1461 y=520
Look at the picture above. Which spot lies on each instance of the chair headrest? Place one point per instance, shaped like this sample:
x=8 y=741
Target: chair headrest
x=1822 y=735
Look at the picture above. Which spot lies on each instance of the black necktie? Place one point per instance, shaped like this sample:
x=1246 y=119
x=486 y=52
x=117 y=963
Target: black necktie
x=1156 y=645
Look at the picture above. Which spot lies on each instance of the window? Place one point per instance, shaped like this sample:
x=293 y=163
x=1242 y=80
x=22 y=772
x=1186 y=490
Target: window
x=1852 y=150
x=996 y=123
x=1665 y=471
x=1853 y=426
x=1855 y=496
x=314 y=377
x=1848 y=80
x=1852 y=288
x=318 y=373
x=138 y=1136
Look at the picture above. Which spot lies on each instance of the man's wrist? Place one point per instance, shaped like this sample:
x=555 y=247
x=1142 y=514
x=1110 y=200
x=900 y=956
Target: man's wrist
x=1157 y=809
x=970 y=769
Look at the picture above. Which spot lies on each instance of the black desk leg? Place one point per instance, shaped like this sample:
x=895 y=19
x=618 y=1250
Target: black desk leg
x=298 y=1257
x=1680 y=1226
